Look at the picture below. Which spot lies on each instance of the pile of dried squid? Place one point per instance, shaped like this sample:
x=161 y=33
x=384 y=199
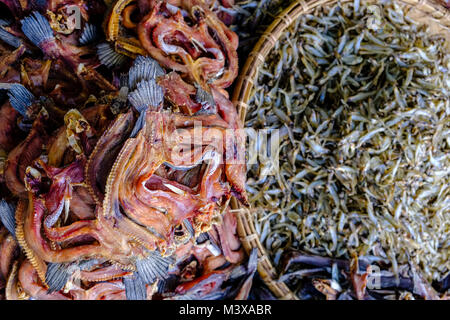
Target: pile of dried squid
x=105 y=191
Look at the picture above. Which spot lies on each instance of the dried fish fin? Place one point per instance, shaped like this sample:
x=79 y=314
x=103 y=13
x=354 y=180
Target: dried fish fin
x=153 y=267
x=202 y=238
x=5 y=22
x=140 y=122
x=89 y=35
x=147 y=94
x=56 y=276
x=9 y=38
x=20 y=98
x=167 y=285
x=214 y=246
x=206 y=99
x=109 y=57
x=135 y=288
x=144 y=68
x=189 y=227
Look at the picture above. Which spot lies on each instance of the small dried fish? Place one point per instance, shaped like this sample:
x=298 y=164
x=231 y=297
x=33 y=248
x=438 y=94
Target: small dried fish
x=364 y=99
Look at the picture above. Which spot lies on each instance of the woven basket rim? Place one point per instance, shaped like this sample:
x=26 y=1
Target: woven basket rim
x=242 y=93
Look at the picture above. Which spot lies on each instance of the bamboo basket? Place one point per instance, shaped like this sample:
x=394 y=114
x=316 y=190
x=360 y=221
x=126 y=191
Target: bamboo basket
x=423 y=11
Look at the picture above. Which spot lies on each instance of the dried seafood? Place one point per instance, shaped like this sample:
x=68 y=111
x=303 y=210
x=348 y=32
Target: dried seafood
x=359 y=97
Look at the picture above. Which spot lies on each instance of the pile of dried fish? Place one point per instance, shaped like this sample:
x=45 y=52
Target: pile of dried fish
x=359 y=95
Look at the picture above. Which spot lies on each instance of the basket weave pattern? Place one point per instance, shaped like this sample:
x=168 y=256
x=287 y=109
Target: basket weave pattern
x=425 y=11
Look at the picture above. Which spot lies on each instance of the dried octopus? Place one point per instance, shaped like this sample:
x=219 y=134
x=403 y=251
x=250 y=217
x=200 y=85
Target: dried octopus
x=118 y=182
